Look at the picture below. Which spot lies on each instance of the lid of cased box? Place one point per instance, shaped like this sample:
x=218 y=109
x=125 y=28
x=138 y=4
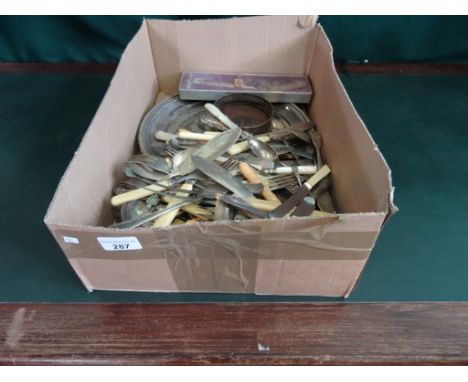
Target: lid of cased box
x=203 y=86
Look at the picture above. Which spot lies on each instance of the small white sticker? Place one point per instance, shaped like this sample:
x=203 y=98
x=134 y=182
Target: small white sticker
x=71 y=240
x=128 y=243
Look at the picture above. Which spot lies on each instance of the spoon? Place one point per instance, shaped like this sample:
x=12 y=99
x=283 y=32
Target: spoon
x=133 y=209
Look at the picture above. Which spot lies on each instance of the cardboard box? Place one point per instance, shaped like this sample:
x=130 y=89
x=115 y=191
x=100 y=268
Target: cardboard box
x=301 y=256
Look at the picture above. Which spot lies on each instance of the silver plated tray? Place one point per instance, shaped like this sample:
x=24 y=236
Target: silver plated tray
x=173 y=114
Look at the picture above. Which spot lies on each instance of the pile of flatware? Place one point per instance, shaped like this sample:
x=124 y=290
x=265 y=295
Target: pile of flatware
x=221 y=172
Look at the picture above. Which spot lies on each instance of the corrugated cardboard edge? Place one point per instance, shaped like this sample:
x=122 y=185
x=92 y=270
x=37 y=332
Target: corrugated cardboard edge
x=116 y=231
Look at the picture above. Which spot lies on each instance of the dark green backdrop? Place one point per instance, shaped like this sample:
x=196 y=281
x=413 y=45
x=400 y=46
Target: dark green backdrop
x=355 y=38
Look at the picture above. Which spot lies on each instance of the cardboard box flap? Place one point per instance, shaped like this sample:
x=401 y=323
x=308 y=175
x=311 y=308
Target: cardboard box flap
x=264 y=44
x=361 y=177
x=82 y=196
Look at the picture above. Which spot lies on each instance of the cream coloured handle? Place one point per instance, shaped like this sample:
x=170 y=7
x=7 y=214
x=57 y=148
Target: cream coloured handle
x=301 y=170
x=244 y=145
x=163 y=136
x=137 y=194
x=192 y=209
x=318 y=176
x=253 y=177
x=220 y=115
x=263 y=205
x=166 y=219
x=206 y=136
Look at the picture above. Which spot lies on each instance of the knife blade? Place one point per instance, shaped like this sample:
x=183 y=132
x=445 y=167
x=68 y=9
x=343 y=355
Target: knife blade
x=210 y=150
x=300 y=194
x=325 y=202
x=221 y=176
x=223 y=211
x=323 y=197
x=305 y=208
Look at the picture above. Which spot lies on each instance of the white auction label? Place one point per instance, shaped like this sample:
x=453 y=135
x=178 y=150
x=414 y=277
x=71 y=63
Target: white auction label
x=129 y=243
x=71 y=240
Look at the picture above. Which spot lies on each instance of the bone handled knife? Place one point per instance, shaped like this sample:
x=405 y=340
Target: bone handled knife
x=300 y=194
x=253 y=177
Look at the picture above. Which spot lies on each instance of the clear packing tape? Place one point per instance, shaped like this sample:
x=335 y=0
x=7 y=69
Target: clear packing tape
x=220 y=257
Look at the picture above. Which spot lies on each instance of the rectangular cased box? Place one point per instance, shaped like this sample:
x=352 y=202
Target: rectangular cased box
x=296 y=256
x=272 y=87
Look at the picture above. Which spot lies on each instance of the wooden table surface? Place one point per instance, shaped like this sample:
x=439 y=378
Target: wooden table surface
x=240 y=334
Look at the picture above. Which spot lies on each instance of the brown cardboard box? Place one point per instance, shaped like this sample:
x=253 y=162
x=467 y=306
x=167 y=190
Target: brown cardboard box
x=302 y=256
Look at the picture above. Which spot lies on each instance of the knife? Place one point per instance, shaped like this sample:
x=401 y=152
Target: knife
x=300 y=194
x=323 y=197
x=221 y=176
x=241 y=204
x=325 y=202
x=210 y=150
x=307 y=206
x=223 y=211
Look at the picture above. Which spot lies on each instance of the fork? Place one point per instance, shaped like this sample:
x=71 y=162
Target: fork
x=153 y=215
x=276 y=182
x=170 y=151
x=229 y=164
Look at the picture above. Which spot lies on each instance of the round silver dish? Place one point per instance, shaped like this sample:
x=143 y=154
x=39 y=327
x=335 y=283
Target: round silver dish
x=173 y=114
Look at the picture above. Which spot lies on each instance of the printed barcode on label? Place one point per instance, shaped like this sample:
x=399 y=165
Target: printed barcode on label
x=129 y=243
